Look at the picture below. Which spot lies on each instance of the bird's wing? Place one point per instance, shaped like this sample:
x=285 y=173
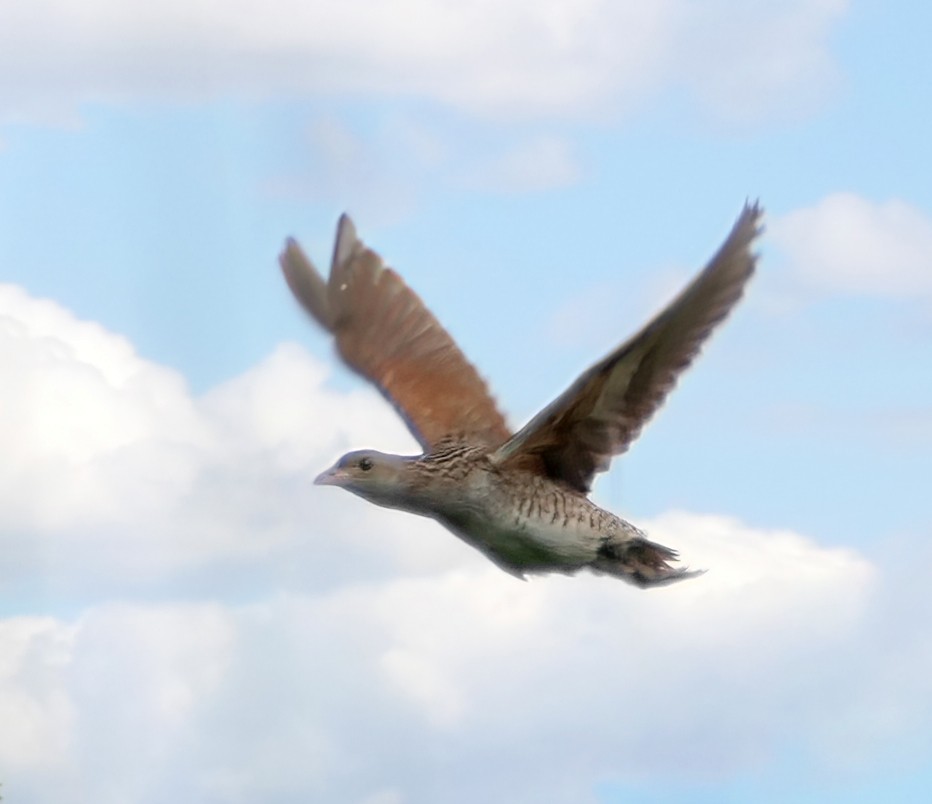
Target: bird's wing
x=384 y=332
x=601 y=414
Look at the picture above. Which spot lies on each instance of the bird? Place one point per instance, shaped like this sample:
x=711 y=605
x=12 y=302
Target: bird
x=521 y=498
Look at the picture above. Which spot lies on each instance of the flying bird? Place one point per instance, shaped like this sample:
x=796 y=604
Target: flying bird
x=520 y=498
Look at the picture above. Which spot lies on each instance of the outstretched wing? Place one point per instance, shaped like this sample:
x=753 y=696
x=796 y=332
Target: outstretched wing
x=601 y=414
x=384 y=332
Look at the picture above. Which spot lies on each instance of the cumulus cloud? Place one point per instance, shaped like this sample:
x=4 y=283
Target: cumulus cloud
x=399 y=689
x=850 y=244
x=516 y=58
x=328 y=650
x=32 y=696
x=126 y=475
x=409 y=684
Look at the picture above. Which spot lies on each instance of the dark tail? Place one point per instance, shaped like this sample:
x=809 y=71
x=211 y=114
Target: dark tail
x=641 y=562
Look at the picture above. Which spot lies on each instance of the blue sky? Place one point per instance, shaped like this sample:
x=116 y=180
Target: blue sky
x=182 y=615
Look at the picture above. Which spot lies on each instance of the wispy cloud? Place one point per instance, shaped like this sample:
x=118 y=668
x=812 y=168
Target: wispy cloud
x=509 y=59
x=380 y=172
x=537 y=164
x=850 y=244
x=757 y=60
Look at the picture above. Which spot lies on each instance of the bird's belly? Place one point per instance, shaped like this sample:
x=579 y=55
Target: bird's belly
x=527 y=544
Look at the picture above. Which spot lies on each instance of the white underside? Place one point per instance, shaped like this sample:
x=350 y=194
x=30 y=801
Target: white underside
x=530 y=544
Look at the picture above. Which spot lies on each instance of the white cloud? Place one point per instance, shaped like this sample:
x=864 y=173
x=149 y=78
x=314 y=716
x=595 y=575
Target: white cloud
x=849 y=244
x=757 y=59
x=327 y=650
x=125 y=474
x=378 y=690
x=516 y=58
x=488 y=665
x=33 y=654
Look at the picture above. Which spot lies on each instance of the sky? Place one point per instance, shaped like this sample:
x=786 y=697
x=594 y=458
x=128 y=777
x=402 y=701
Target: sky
x=185 y=617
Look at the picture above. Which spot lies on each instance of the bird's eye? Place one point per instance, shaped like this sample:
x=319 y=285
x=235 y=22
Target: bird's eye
x=365 y=464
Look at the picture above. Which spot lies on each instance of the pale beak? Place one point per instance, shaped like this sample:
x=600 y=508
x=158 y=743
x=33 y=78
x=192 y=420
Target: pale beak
x=334 y=476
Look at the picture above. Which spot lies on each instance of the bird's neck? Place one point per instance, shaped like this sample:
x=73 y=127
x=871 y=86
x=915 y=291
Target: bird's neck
x=437 y=483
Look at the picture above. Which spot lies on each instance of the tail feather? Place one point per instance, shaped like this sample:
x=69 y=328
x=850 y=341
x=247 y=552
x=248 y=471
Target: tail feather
x=641 y=562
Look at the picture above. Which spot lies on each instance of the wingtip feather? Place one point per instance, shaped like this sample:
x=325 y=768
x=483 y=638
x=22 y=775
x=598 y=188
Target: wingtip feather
x=306 y=283
x=752 y=215
x=346 y=241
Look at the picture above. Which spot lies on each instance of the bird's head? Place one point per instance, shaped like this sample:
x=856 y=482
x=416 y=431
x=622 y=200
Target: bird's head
x=375 y=476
